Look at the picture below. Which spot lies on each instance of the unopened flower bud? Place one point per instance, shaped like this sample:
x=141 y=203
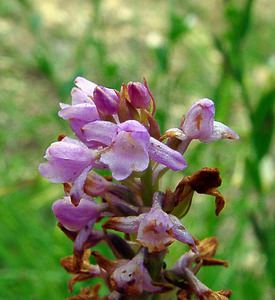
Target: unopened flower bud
x=138 y=94
x=106 y=100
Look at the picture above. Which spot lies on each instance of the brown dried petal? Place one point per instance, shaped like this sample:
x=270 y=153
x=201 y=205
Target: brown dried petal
x=77 y=278
x=68 y=263
x=74 y=264
x=204 y=181
x=220 y=295
x=220 y=202
x=81 y=267
x=88 y=293
x=214 y=262
x=208 y=247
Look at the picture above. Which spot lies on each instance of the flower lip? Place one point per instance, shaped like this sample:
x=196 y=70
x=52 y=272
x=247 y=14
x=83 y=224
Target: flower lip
x=132 y=278
x=66 y=160
x=155 y=230
x=73 y=217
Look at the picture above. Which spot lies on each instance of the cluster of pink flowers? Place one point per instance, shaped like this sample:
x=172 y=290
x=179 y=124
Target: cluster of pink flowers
x=116 y=133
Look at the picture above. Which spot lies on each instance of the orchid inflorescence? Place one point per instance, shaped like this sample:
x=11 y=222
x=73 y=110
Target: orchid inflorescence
x=111 y=171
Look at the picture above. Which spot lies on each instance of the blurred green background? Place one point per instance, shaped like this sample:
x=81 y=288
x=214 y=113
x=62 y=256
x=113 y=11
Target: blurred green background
x=224 y=50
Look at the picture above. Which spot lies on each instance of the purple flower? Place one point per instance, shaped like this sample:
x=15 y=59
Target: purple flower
x=106 y=100
x=199 y=123
x=66 y=160
x=81 y=112
x=138 y=94
x=129 y=147
x=156 y=230
x=74 y=218
x=132 y=278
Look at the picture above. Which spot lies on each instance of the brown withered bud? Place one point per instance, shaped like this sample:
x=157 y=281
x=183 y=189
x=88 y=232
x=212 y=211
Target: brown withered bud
x=204 y=181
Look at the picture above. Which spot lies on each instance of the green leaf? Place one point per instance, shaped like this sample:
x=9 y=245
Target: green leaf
x=263 y=123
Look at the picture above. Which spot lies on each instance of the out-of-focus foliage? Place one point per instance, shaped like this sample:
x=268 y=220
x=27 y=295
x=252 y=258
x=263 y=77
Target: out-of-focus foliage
x=187 y=50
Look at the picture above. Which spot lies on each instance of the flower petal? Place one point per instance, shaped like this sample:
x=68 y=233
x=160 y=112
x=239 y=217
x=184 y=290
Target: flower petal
x=180 y=233
x=83 y=111
x=124 y=224
x=166 y=156
x=68 y=149
x=132 y=278
x=198 y=123
x=85 y=85
x=125 y=156
x=75 y=217
x=137 y=130
x=100 y=131
x=79 y=97
x=66 y=160
x=77 y=190
x=220 y=132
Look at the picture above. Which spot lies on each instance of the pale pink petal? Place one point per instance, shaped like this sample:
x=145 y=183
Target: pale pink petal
x=85 y=85
x=163 y=154
x=100 y=131
x=220 y=132
x=125 y=156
